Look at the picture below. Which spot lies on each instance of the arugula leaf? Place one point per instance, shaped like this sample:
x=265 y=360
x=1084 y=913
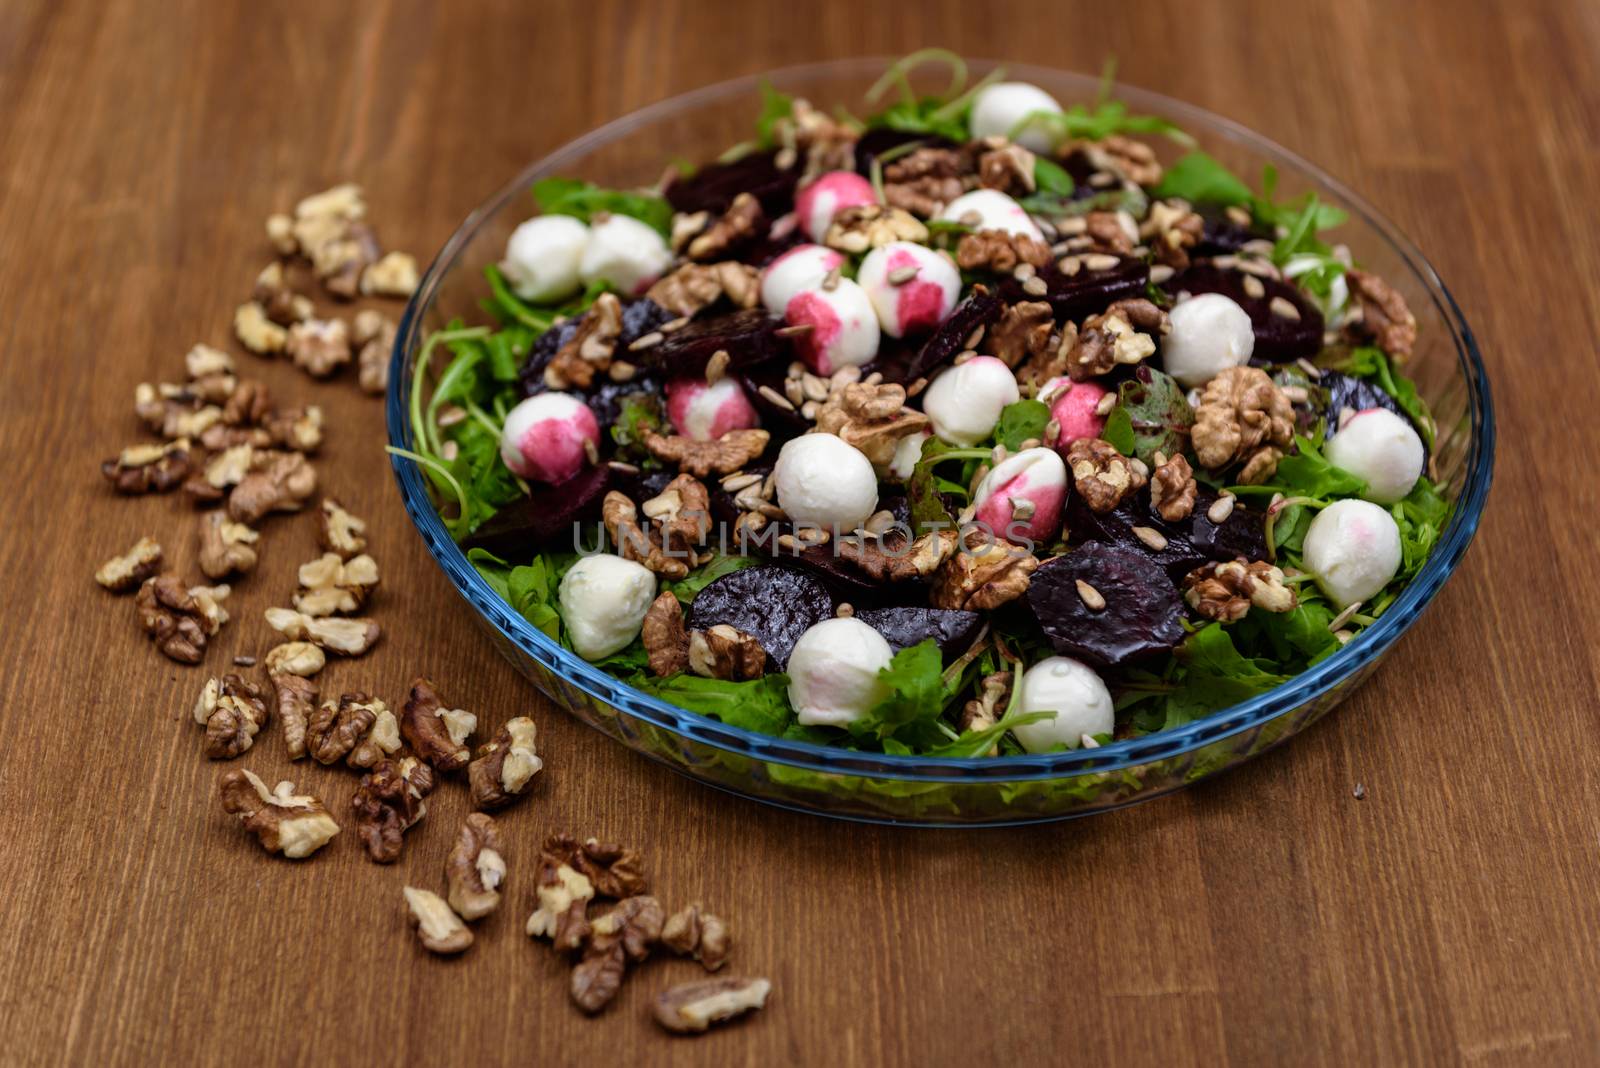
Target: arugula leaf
x=1050 y=178
x=1106 y=119
x=923 y=489
x=1307 y=473
x=1216 y=675
x=1200 y=179
x=530 y=589
x=1421 y=518
x=978 y=743
x=925 y=115
x=756 y=705
x=1118 y=431
x=914 y=697
x=569 y=196
x=638 y=412
x=775 y=106
x=686 y=588
x=488 y=484
x=1158 y=413
x=1021 y=422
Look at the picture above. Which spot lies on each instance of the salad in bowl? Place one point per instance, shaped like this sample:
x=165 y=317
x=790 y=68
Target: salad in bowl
x=984 y=427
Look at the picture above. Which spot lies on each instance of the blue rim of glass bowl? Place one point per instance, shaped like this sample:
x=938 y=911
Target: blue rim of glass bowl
x=1115 y=756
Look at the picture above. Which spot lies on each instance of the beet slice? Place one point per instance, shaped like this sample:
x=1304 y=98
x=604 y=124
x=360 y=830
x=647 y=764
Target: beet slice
x=979 y=309
x=748 y=337
x=544 y=518
x=781 y=422
x=713 y=187
x=1278 y=339
x=1221 y=235
x=1191 y=541
x=776 y=604
x=1142 y=617
x=906 y=626
x=1087 y=292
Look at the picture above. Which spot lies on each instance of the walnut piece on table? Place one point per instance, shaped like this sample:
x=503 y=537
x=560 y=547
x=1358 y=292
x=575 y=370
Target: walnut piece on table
x=125 y=573
x=505 y=765
x=295 y=825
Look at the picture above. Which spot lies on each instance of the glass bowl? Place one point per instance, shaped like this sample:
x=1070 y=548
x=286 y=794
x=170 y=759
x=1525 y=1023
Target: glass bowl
x=633 y=151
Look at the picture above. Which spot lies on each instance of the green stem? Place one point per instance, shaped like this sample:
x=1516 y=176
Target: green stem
x=897 y=74
x=439 y=470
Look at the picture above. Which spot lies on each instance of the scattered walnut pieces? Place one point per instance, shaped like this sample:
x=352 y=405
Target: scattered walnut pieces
x=319 y=346
x=181 y=619
x=564 y=894
x=394 y=275
x=665 y=640
x=436 y=734
x=345 y=636
x=889 y=558
x=983 y=576
x=331 y=586
x=868 y=226
x=1022 y=332
x=149 y=468
x=1173 y=488
x=694 y=932
x=1005 y=166
x=373 y=333
x=222 y=472
x=121 y=574
x=476 y=868
x=635 y=921
x=226 y=547
x=256 y=331
x=589 y=351
x=1173 y=228
x=1102 y=476
x=1385 y=318
x=1133 y=160
x=725 y=652
x=1119 y=335
x=297 y=703
x=174 y=411
x=925 y=180
x=872 y=417
x=701 y=458
x=1226 y=591
x=336 y=726
x=1243 y=417
x=232 y=711
x=505 y=765
x=1111 y=231
x=295 y=825
x=439 y=928
x=691 y=1008
x=329 y=230
x=677 y=521
x=294 y=658
x=339 y=531
x=277 y=482
x=696 y=286
x=999 y=251
x=202 y=361
x=742 y=222
x=389 y=802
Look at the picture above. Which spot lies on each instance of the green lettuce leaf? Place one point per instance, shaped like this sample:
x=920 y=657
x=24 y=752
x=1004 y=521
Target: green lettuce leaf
x=1023 y=421
x=757 y=705
x=1158 y=413
x=569 y=196
x=913 y=700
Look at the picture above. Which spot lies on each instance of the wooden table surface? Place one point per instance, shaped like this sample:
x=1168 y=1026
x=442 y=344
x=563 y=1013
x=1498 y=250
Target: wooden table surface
x=1268 y=917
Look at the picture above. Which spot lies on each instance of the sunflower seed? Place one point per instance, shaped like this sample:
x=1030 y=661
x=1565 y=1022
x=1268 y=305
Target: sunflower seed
x=973 y=339
x=1296 y=394
x=717 y=366
x=1338 y=621
x=774 y=397
x=1151 y=537
x=1090 y=596
x=738 y=481
x=1022 y=509
x=1024 y=271
x=673 y=325
x=879 y=522
x=814 y=388
x=1035 y=286
x=1238 y=216
x=1220 y=510
x=916 y=387
x=591 y=451
x=1075 y=224
x=797 y=330
x=1102 y=179
x=650 y=340
x=808 y=410
x=901 y=275
x=1070 y=265
x=845 y=610
x=830 y=281
x=1253 y=287
x=1160 y=273
x=796 y=369
x=1284 y=309
x=1100 y=262
x=1108 y=402
x=794 y=389
x=963 y=356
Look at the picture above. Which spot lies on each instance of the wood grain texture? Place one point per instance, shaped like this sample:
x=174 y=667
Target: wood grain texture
x=1265 y=918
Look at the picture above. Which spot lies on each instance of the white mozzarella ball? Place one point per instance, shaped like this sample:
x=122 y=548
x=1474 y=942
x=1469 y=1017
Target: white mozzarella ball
x=1353 y=549
x=1022 y=498
x=800 y=269
x=826 y=196
x=844 y=328
x=990 y=209
x=548 y=437
x=833 y=672
x=1380 y=448
x=912 y=288
x=998 y=108
x=1074 y=693
x=705 y=411
x=964 y=402
x=824 y=481
x=1210 y=333
x=625 y=253
x=543 y=257
x=604 y=599
x=906 y=455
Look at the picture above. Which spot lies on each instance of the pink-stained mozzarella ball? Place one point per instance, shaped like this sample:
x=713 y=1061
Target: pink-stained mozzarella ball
x=625 y=253
x=844 y=328
x=801 y=268
x=990 y=209
x=1021 y=499
x=1353 y=549
x=1075 y=408
x=1381 y=449
x=826 y=196
x=912 y=288
x=964 y=402
x=706 y=412
x=545 y=437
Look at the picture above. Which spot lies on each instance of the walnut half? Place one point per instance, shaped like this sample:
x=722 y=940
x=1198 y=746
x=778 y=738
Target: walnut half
x=436 y=734
x=232 y=711
x=476 y=868
x=505 y=765
x=1228 y=591
x=439 y=928
x=691 y=1008
x=295 y=825
x=120 y=574
x=694 y=932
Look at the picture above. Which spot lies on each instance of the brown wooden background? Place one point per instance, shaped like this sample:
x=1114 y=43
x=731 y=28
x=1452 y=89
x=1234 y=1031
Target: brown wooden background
x=1266 y=918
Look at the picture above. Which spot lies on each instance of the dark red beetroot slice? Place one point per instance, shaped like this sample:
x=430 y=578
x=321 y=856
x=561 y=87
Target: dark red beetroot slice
x=545 y=518
x=1191 y=541
x=747 y=336
x=1142 y=615
x=1221 y=235
x=902 y=628
x=1087 y=292
x=979 y=309
x=776 y=604
x=1278 y=339
x=713 y=187
x=875 y=143
x=639 y=317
